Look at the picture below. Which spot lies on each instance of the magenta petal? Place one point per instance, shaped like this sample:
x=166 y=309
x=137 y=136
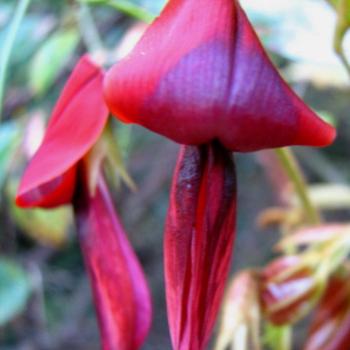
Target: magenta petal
x=76 y=123
x=121 y=295
x=199 y=237
x=200 y=73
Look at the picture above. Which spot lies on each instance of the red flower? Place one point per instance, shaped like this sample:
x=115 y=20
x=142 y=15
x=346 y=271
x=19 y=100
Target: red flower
x=199 y=238
x=200 y=76
x=200 y=73
x=59 y=174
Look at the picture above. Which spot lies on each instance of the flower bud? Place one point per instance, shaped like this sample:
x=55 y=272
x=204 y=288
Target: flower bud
x=288 y=290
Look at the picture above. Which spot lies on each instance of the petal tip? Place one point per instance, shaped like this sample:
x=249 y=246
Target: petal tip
x=20 y=202
x=315 y=132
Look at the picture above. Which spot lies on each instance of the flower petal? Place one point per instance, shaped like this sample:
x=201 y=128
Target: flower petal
x=199 y=238
x=200 y=73
x=121 y=294
x=330 y=327
x=76 y=123
x=288 y=290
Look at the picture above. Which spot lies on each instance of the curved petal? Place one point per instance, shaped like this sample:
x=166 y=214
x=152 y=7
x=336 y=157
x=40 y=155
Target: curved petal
x=122 y=297
x=200 y=73
x=199 y=237
x=330 y=326
x=288 y=290
x=76 y=123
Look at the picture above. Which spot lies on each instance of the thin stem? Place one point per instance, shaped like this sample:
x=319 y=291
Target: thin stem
x=286 y=338
x=290 y=164
x=20 y=11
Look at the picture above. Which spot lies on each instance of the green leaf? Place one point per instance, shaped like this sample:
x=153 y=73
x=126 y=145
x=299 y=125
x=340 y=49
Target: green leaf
x=9 y=139
x=49 y=227
x=342 y=8
x=7 y=47
x=14 y=290
x=127 y=7
x=51 y=58
x=334 y=3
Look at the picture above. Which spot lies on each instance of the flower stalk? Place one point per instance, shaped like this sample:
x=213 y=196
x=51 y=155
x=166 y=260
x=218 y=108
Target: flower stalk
x=289 y=163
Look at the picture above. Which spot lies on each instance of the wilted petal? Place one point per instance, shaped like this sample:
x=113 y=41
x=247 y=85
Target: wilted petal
x=121 y=294
x=199 y=238
x=200 y=73
x=76 y=123
x=330 y=327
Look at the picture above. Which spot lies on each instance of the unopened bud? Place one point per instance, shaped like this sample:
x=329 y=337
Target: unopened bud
x=330 y=327
x=288 y=290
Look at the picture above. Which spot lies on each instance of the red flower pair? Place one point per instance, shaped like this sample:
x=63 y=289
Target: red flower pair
x=200 y=77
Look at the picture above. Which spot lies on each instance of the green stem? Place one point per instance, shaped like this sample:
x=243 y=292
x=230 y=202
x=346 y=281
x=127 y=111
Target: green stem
x=290 y=165
x=286 y=340
x=20 y=11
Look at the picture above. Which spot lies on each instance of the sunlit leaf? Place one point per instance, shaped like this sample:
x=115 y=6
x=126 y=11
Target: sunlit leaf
x=49 y=227
x=51 y=58
x=14 y=290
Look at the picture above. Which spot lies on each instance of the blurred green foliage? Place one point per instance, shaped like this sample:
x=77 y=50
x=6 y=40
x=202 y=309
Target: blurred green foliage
x=51 y=58
x=14 y=290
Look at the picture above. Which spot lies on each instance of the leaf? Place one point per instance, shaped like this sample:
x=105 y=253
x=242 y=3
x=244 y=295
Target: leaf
x=9 y=138
x=51 y=58
x=127 y=7
x=342 y=8
x=49 y=227
x=14 y=290
x=8 y=45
